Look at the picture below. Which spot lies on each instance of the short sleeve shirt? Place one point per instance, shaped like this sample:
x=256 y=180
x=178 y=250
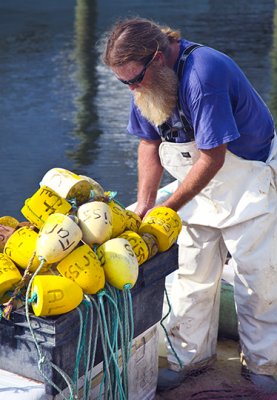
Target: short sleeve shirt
x=219 y=103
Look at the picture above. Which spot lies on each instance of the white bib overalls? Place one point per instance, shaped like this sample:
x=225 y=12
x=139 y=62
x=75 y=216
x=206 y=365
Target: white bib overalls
x=235 y=212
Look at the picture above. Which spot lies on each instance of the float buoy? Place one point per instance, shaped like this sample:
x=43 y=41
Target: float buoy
x=133 y=221
x=58 y=237
x=165 y=224
x=67 y=184
x=83 y=267
x=9 y=221
x=44 y=202
x=151 y=243
x=21 y=246
x=9 y=274
x=138 y=245
x=118 y=218
x=119 y=262
x=95 y=220
x=98 y=191
x=54 y=295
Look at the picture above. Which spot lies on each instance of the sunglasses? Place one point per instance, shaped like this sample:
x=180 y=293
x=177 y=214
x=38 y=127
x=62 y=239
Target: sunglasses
x=139 y=78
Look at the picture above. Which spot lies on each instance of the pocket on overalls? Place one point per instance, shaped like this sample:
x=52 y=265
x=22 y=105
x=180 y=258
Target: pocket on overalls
x=178 y=158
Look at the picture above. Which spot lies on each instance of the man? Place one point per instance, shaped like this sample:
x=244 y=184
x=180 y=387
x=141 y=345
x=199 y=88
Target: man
x=198 y=116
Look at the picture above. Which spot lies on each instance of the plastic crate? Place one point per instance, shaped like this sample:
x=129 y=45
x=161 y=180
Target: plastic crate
x=58 y=336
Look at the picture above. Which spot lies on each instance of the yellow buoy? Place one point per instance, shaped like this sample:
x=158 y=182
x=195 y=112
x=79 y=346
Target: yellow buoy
x=9 y=221
x=138 y=245
x=9 y=274
x=97 y=189
x=5 y=233
x=118 y=218
x=119 y=261
x=165 y=224
x=133 y=221
x=58 y=237
x=20 y=248
x=151 y=243
x=44 y=202
x=83 y=267
x=67 y=184
x=95 y=220
x=55 y=295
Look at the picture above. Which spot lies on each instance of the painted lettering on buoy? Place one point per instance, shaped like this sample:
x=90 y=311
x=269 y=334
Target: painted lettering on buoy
x=67 y=184
x=138 y=246
x=165 y=224
x=83 y=267
x=55 y=295
x=42 y=204
x=20 y=247
x=59 y=235
x=63 y=235
x=95 y=220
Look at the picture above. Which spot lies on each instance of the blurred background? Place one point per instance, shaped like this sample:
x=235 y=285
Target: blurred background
x=60 y=107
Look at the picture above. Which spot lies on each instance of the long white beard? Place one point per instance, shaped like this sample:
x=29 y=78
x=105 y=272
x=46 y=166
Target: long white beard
x=158 y=100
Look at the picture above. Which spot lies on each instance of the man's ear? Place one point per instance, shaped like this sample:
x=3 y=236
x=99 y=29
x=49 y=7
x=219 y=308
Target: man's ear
x=160 y=58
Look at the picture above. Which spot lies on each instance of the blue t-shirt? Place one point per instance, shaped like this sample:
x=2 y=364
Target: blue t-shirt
x=220 y=104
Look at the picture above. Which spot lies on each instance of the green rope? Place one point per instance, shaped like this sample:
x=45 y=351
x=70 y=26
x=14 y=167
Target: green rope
x=106 y=374
x=91 y=351
x=165 y=331
x=124 y=306
x=73 y=203
x=131 y=319
x=112 y=325
x=129 y=329
x=111 y=349
x=79 y=351
x=117 y=297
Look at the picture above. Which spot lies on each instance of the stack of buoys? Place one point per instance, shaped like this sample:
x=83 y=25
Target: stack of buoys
x=77 y=237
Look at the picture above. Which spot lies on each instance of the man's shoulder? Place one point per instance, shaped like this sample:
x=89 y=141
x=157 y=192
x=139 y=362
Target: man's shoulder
x=209 y=68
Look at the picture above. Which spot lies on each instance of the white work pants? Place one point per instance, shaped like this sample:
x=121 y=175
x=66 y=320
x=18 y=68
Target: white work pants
x=236 y=212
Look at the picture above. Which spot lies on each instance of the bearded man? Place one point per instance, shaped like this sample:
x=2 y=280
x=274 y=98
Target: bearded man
x=198 y=116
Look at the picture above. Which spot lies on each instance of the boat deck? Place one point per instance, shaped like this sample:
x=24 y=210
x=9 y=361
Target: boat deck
x=222 y=381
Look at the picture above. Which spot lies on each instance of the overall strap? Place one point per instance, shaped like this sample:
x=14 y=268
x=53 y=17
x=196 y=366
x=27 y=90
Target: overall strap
x=167 y=132
x=180 y=72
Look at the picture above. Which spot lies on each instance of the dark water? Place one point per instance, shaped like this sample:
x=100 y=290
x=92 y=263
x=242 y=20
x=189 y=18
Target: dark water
x=59 y=107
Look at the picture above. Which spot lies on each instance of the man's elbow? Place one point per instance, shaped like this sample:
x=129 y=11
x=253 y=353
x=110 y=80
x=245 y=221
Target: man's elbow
x=214 y=158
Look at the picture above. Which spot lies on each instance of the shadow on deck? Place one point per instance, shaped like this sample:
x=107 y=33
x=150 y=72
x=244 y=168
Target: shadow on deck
x=222 y=381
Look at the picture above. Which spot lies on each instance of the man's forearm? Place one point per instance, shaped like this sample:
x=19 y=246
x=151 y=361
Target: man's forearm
x=150 y=172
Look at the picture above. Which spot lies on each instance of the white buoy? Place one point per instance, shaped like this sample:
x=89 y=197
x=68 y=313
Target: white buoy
x=67 y=184
x=95 y=220
x=58 y=237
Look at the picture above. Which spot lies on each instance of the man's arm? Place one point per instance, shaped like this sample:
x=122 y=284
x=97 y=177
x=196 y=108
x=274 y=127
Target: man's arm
x=208 y=164
x=150 y=172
